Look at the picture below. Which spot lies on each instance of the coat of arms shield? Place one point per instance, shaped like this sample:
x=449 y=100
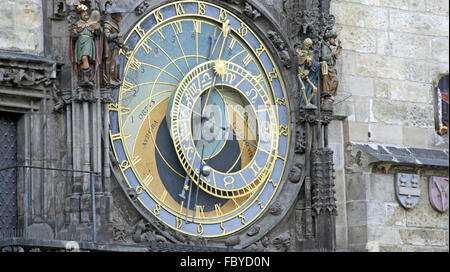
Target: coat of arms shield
x=438 y=193
x=407 y=189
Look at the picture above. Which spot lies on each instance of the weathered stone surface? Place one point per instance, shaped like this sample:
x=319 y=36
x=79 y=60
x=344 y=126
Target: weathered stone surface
x=357 y=132
x=360 y=15
x=401 y=113
x=357 y=235
x=383 y=235
x=395 y=215
x=359 y=39
x=382 y=188
x=437 y=6
x=439 y=49
x=417 y=137
x=410 y=91
x=381 y=88
x=418 y=23
x=389 y=134
x=21 y=27
x=356 y=213
x=357 y=186
x=380 y=67
x=422 y=237
x=410 y=45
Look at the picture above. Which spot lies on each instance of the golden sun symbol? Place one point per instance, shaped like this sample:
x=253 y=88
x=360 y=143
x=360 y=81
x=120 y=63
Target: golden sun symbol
x=220 y=68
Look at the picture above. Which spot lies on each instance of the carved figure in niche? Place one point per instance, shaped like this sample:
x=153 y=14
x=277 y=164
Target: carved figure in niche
x=328 y=61
x=112 y=44
x=296 y=173
x=86 y=45
x=308 y=71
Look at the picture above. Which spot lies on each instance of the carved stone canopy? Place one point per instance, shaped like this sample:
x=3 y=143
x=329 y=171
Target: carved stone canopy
x=25 y=77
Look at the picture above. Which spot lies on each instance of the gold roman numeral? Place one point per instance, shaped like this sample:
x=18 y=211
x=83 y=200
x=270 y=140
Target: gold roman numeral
x=161 y=34
x=163 y=196
x=218 y=209
x=146 y=47
x=247 y=59
x=232 y=44
x=178 y=28
x=200 y=210
x=148 y=180
x=197 y=26
x=127 y=86
x=134 y=63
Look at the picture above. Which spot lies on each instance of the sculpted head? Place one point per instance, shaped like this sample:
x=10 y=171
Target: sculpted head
x=307 y=43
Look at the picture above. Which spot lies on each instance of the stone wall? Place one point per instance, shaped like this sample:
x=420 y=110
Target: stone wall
x=21 y=27
x=394 y=50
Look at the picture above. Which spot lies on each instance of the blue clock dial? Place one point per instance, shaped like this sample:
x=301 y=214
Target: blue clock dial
x=199 y=87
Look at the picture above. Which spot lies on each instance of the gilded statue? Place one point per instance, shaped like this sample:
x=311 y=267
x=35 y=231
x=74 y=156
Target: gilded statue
x=308 y=70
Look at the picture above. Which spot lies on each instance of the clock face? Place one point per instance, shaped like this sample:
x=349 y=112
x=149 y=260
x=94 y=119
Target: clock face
x=200 y=124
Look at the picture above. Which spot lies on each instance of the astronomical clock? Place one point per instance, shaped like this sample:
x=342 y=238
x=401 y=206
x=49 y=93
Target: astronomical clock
x=201 y=126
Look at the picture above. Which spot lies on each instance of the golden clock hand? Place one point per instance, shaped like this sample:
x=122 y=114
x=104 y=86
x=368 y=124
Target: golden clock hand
x=219 y=64
x=225 y=30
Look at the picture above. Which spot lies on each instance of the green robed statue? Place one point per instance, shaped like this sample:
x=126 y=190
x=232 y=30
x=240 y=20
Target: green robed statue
x=86 y=45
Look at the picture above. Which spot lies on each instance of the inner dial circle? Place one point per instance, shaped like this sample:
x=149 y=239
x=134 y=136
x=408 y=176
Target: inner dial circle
x=220 y=184
x=216 y=123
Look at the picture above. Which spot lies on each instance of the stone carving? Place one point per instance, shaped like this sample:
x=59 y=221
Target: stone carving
x=322 y=182
x=113 y=42
x=282 y=242
x=308 y=72
x=22 y=77
x=141 y=8
x=119 y=233
x=281 y=47
x=438 y=193
x=60 y=9
x=232 y=241
x=144 y=232
x=236 y=2
x=407 y=189
x=253 y=230
x=308 y=19
x=251 y=12
x=328 y=59
x=86 y=45
x=276 y=208
x=296 y=173
x=300 y=142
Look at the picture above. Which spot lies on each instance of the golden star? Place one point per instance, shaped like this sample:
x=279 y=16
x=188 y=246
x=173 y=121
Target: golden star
x=220 y=67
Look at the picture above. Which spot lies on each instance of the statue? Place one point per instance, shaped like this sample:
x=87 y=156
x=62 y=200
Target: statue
x=85 y=46
x=112 y=44
x=308 y=70
x=328 y=61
